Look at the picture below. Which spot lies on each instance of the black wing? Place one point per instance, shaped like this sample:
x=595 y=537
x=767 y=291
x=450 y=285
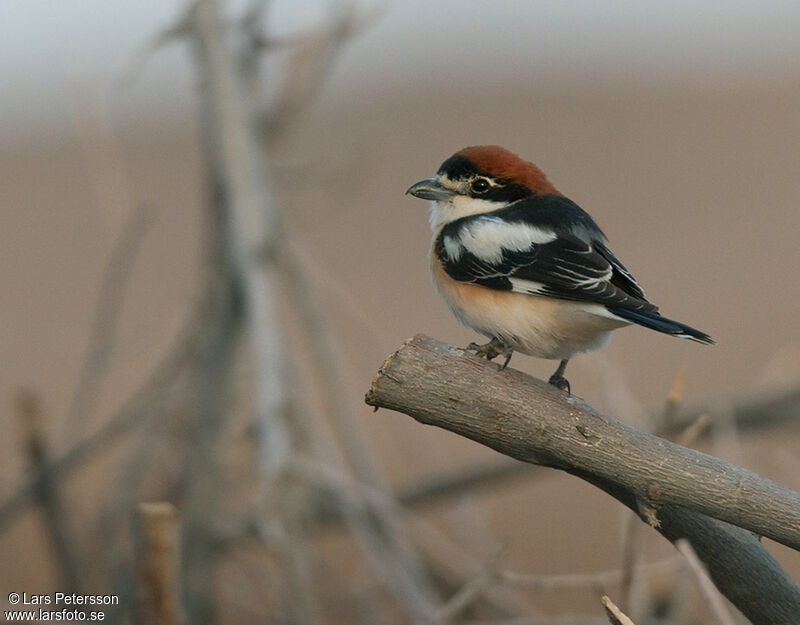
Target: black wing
x=524 y=249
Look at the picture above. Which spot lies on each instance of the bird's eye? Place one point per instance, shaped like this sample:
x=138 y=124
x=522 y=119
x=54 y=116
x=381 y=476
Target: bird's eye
x=480 y=185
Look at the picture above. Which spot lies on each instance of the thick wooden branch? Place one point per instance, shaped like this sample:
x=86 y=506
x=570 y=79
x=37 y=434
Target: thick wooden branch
x=529 y=420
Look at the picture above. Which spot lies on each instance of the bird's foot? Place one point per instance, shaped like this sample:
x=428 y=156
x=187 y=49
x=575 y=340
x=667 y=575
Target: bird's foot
x=560 y=382
x=492 y=349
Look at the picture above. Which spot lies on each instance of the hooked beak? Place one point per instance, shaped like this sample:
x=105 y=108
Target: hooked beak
x=430 y=189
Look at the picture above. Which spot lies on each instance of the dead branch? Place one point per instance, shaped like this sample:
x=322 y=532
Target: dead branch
x=597 y=580
x=156 y=533
x=751 y=411
x=615 y=615
x=715 y=600
x=463 y=599
x=143 y=404
x=251 y=224
x=525 y=418
x=376 y=526
x=48 y=495
x=562 y=431
x=247 y=223
x=107 y=313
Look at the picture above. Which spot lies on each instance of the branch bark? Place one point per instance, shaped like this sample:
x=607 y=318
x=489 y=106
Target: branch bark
x=55 y=514
x=156 y=535
x=524 y=418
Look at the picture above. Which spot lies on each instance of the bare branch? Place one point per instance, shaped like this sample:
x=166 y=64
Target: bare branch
x=106 y=315
x=464 y=480
x=463 y=598
x=525 y=418
x=248 y=224
x=312 y=55
x=252 y=225
x=48 y=494
x=750 y=410
x=139 y=59
x=387 y=535
x=156 y=534
x=576 y=438
x=134 y=412
x=575 y=581
x=706 y=585
x=615 y=615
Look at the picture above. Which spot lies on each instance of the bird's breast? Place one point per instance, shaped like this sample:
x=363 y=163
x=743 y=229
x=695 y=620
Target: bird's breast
x=540 y=326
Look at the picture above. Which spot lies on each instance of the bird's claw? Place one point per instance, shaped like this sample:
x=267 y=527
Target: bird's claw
x=560 y=382
x=492 y=349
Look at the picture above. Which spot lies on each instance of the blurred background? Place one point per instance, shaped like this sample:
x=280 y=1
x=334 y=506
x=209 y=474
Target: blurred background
x=676 y=125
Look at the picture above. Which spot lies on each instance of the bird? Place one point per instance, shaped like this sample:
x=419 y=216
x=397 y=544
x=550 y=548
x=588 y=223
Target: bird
x=523 y=265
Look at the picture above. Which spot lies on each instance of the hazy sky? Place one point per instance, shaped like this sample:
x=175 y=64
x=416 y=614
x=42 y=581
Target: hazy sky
x=50 y=49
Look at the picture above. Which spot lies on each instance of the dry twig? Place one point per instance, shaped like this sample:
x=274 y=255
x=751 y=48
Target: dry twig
x=706 y=585
x=575 y=581
x=156 y=534
x=615 y=615
x=107 y=312
x=145 y=403
x=48 y=494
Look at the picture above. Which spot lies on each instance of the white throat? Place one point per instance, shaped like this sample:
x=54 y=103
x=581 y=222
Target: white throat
x=443 y=212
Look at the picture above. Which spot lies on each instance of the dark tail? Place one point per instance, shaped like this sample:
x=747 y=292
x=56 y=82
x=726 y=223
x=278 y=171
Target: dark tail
x=654 y=321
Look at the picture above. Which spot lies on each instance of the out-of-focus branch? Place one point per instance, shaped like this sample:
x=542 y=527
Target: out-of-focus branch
x=706 y=585
x=749 y=411
x=615 y=615
x=597 y=580
x=248 y=224
x=252 y=224
x=463 y=599
x=311 y=56
x=527 y=419
x=458 y=483
x=377 y=527
x=156 y=532
x=47 y=493
x=134 y=412
x=107 y=312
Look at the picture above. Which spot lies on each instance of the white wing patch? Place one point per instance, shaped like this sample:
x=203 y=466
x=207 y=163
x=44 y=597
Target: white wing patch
x=452 y=248
x=487 y=237
x=529 y=287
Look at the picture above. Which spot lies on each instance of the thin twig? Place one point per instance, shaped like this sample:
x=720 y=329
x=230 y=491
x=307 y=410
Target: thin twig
x=576 y=581
x=109 y=306
x=663 y=422
x=694 y=430
x=463 y=599
x=139 y=59
x=156 y=534
x=710 y=591
x=615 y=615
x=311 y=58
x=442 y=554
x=142 y=402
x=631 y=533
x=54 y=512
